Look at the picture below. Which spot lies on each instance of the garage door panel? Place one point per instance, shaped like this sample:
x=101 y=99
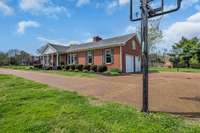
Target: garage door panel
x=129 y=63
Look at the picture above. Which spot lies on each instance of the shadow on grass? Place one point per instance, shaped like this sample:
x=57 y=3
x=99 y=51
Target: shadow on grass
x=191 y=115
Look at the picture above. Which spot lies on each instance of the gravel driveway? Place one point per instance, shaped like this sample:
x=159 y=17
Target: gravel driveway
x=177 y=93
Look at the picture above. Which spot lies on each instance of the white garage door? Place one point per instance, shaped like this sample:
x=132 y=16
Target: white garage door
x=129 y=63
x=137 y=64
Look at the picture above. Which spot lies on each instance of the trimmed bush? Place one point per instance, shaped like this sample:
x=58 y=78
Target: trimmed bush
x=37 y=66
x=59 y=68
x=48 y=68
x=102 y=68
x=85 y=71
x=181 y=65
x=76 y=70
x=72 y=67
x=195 y=66
x=63 y=67
x=91 y=71
x=67 y=67
x=79 y=67
x=86 y=67
x=93 y=68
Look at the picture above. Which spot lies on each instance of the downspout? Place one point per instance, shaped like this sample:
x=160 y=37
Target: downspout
x=121 y=58
x=57 y=61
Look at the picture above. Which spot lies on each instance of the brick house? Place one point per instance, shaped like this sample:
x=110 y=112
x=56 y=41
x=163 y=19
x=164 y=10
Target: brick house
x=122 y=52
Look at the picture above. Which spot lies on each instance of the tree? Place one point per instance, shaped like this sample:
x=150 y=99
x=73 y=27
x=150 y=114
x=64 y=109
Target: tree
x=155 y=34
x=187 y=51
x=3 y=59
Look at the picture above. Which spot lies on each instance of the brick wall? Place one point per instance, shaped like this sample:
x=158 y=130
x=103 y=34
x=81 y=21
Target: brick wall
x=127 y=49
x=98 y=56
x=82 y=57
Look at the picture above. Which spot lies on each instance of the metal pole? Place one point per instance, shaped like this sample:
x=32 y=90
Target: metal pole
x=145 y=56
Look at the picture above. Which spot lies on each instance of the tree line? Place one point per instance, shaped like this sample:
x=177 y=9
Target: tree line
x=186 y=53
x=16 y=57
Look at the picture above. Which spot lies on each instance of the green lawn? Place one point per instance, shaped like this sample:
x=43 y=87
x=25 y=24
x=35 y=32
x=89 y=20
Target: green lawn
x=30 y=107
x=164 y=69
x=59 y=72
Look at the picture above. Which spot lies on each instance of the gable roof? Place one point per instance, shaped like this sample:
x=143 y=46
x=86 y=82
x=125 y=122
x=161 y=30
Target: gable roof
x=115 y=41
x=58 y=48
x=110 y=42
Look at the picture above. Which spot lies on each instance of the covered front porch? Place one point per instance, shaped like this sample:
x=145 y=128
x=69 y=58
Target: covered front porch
x=51 y=55
x=52 y=59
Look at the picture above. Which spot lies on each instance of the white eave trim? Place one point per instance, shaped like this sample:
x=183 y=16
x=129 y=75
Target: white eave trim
x=48 y=47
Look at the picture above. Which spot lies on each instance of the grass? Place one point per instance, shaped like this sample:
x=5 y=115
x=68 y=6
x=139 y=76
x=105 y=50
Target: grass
x=68 y=73
x=30 y=107
x=164 y=69
x=16 y=67
x=58 y=72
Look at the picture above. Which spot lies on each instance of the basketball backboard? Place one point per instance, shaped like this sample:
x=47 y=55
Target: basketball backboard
x=155 y=7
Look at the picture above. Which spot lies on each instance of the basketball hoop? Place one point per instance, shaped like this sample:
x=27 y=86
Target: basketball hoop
x=143 y=11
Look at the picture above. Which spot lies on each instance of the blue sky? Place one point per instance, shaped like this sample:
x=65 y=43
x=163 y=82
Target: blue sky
x=29 y=24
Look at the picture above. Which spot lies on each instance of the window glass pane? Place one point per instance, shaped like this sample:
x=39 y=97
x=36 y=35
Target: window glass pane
x=90 y=57
x=108 y=55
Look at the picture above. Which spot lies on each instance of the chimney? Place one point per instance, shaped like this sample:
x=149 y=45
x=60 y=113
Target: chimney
x=96 y=39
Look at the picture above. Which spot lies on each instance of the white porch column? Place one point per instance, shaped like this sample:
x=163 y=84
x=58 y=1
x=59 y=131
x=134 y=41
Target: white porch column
x=52 y=59
x=57 y=60
x=48 y=60
x=43 y=62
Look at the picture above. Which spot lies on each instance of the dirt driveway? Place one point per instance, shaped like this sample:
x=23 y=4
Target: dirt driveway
x=177 y=93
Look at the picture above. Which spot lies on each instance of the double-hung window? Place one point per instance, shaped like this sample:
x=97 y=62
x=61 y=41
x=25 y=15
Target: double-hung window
x=90 y=57
x=72 y=59
x=109 y=56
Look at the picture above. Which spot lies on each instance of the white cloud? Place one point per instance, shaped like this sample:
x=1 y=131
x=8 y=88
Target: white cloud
x=123 y=2
x=82 y=2
x=23 y=25
x=111 y=7
x=188 y=28
x=188 y=3
x=5 y=9
x=114 y=4
x=45 y=7
x=130 y=29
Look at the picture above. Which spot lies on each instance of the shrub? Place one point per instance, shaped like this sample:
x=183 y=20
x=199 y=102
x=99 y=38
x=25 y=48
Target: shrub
x=181 y=65
x=76 y=70
x=85 y=71
x=67 y=67
x=195 y=65
x=102 y=68
x=91 y=71
x=72 y=67
x=86 y=67
x=79 y=67
x=63 y=67
x=48 y=68
x=37 y=66
x=93 y=68
x=59 y=68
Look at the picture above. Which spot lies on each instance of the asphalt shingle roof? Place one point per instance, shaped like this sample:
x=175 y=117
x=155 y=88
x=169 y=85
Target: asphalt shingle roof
x=115 y=41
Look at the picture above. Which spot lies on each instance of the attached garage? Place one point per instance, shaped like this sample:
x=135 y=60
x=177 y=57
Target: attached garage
x=133 y=63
